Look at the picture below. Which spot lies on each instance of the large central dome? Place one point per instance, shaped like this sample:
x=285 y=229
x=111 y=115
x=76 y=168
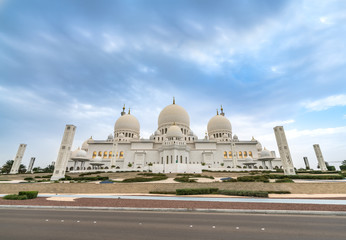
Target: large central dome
x=127 y=122
x=174 y=114
x=219 y=123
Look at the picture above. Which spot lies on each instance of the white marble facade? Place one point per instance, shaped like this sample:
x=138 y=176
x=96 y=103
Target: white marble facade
x=172 y=148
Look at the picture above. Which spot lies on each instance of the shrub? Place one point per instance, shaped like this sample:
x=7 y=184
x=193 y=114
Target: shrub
x=185 y=179
x=15 y=197
x=244 y=193
x=162 y=192
x=196 y=191
x=230 y=180
x=280 y=192
x=284 y=180
x=29 y=179
x=151 y=174
x=146 y=179
x=261 y=178
x=324 y=177
x=29 y=194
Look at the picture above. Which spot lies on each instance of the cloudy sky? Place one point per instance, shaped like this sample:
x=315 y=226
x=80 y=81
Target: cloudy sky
x=268 y=63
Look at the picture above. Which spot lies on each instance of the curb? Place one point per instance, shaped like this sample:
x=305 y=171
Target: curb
x=246 y=211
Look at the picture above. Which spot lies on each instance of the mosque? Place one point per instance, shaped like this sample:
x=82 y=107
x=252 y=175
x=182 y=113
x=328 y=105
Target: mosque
x=172 y=148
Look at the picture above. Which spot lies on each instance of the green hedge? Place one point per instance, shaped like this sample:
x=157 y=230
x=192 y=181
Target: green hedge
x=144 y=179
x=185 y=179
x=151 y=174
x=261 y=178
x=162 y=192
x=244 y=193
x=29 y=179
x=328 y=177
x=194 y=175
x=196 y=191
x=284 y=180
x=230 y=180
x=29 y=194
x=15 y=197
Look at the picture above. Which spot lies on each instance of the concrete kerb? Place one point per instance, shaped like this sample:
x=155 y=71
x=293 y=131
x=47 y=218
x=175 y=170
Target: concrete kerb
x=243 y=211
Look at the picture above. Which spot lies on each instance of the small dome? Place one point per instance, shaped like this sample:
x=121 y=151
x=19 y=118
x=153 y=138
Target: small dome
x=219 y=123
x=249 y=159
x=174 y=114
x=121 y=135
x=235 y=138
x=157 y=132
x=127 y=122
x=225 y=136
x=79 y=153
x=174 y=131
x=85 y=144
x=259 y=146
x=110 y=137
x=265 y=153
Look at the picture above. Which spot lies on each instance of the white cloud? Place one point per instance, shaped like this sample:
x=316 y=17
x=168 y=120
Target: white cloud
x=294 y=133
x=325 y=103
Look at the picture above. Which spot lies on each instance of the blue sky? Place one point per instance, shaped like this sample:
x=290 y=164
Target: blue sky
x=267 y=62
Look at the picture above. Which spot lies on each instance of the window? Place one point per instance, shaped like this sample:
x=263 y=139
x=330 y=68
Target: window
x=100 y=154
x=245 y=154
x=181 y=159
x=167 y=160
x=110 y=154
x=121 y=154
x=240 y=155
x=105 y=154
x=94 y=154
x=171 y=159
x=250 y=153
x=230 y=154
x=224 y=154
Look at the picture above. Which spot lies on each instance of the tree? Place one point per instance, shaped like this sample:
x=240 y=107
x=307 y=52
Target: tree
x=343 y=165
x=22 y=168
x=6 y=168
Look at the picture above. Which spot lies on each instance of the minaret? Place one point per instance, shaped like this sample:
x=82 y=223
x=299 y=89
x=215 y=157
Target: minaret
x=31 y=165
x=320 y=158
x=18 y=159
x=285 y=154
x=222 y=113
x=173 y=100
x=64 y=153
x=306 y=161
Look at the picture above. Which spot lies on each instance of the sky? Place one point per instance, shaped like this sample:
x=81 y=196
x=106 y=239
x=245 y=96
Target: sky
x=78 y=62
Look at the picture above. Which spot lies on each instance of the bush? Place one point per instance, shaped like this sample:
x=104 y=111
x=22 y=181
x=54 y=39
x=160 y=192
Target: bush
x=15 y=197
x=151 y=174
x=185 y=179
x=145 y=179
x=244 y=193
x=230 y=180
x=342 y=167
x=29 y=179
x=261 y=178
x=194 y=175
x=284 y=180
x=162 y=192
x=196 y=191
x=280 y=192
x=29 y=194
x=324 y=177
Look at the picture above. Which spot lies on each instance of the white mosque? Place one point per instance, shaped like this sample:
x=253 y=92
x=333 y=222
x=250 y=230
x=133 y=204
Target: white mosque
x=172 y=148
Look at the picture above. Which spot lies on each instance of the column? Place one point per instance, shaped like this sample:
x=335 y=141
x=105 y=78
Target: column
x=18 y=159
x=320 y=158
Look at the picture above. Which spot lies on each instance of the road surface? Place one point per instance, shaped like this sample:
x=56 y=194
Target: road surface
x=99 y=225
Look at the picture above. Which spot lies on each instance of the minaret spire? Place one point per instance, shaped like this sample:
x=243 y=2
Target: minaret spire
x=173 y=100
x=222 y=113
x=129 y=111
x=217 y=111
x=123 y=112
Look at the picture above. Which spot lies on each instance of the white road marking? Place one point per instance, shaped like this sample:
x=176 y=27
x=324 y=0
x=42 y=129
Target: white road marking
x=213 y=226
x=191 y=226
x=262 y=229
x=77 y=221
x=62 y=220
x=237 y=228
x=46 y=220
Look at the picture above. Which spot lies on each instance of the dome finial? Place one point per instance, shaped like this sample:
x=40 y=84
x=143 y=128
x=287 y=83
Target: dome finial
x=217 y=111
x=123 y=112
x=124 y=108
x=173 y=100
x=129 y=111
x=222 y=113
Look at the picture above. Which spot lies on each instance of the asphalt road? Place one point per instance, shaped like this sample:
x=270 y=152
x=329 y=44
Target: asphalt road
x=100 y=225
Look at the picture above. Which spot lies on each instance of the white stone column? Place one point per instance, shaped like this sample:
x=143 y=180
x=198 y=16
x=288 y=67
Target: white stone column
x=31 y=165
x=306 y=161
x=64 y=153
x=18 y=159
x=320 y=158
x=284 y=151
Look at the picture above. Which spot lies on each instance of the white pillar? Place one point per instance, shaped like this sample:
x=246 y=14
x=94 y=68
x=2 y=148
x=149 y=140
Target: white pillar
x=31 y=165
x=18 y=159
x=285 y=154
x=306 y=161
x=64 y=153
x=320 y=158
